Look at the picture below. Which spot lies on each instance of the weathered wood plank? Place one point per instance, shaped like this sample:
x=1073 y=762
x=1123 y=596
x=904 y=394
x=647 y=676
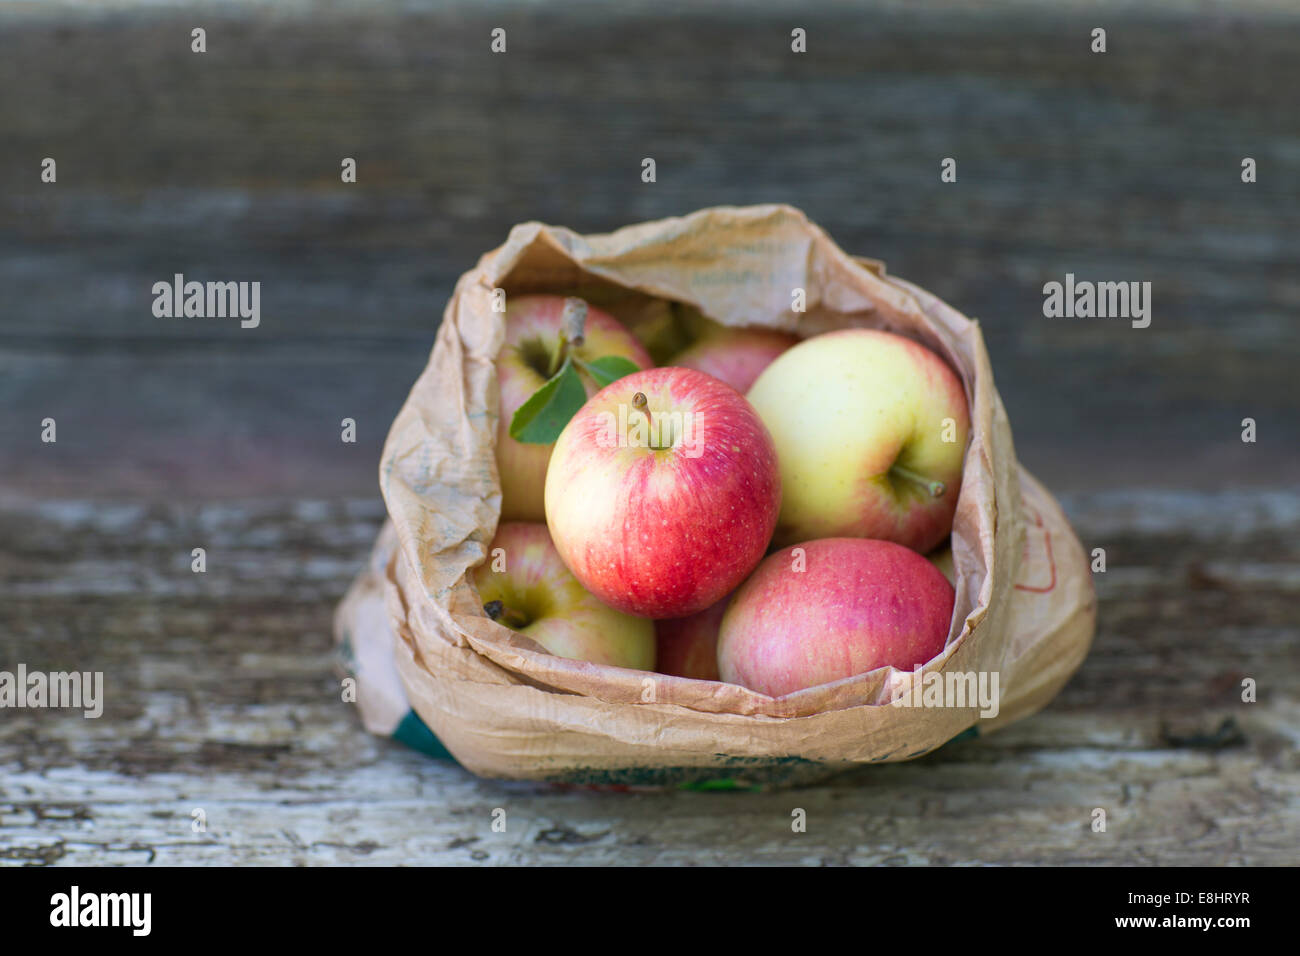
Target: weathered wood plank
x=220 y=690
x=221 y=697
x=225 y=165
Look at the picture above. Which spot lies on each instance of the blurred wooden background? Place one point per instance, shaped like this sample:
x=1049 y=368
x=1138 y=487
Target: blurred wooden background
x=225 y=166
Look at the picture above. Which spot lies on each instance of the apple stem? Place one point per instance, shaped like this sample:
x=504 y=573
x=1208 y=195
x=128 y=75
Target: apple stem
x=936 y=489
x=574 y=319
x=504 y=615
x=573 y=322
x=641 y=404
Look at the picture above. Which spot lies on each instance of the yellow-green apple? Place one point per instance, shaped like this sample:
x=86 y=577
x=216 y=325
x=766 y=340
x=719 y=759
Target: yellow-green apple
x=734 y=355
x=942 y=559
x=525 y=586
x=658 y=326
x=662 y=492
x=678 y=334
x=688 y=646
x=857 y=604
x=528 y=358
x=870 y=428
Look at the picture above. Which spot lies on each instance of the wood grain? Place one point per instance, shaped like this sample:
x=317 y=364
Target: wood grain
x=225 y=165
x=221 y=696
x=175 y=434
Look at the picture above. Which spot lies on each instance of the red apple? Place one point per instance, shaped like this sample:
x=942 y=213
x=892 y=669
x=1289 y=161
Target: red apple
x=735 y=356
x=688 y=646
x=525 y=586
x=533 y=327
x=858 y=604
x=662 y=492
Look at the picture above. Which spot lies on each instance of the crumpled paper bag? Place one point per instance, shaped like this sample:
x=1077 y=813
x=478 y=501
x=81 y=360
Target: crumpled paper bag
x=1025 y=606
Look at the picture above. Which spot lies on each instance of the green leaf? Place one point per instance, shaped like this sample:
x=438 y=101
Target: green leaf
x=540 y=420
x=609 y=368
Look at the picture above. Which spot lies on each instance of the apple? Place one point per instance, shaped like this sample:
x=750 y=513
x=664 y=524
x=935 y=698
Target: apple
x=662 y=492
x=678 y=334
x=942 y=559
x=658 y=325
x=734 y=355
x=858 y=604
x=688 y=646
x=533 y=327
x=870 y=429
x=526 y=587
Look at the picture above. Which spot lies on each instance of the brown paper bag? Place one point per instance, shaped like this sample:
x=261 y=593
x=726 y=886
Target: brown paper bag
x=1025 y=608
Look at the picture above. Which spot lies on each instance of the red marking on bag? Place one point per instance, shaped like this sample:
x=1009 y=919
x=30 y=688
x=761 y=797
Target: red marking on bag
x=1038 y=545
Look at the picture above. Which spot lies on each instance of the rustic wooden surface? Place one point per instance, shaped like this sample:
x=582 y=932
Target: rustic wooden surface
x=175 y=434
x=221 y=697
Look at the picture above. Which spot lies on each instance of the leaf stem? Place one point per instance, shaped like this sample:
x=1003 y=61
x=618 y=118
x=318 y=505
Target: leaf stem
x=557 y=353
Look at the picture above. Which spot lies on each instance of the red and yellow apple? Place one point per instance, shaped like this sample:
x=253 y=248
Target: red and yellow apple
x=857 y=604
x=526 y=587
x=870 y=429
x=733 y=355
x=533 y=329
x=688 y=646
x=662 y=492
